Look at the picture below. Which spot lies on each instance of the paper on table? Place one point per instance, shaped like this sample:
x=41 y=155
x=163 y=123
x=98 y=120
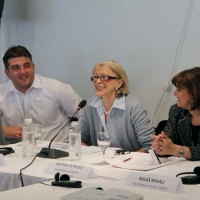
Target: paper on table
x=94 y=193
x=143 y=162
x=110 y=174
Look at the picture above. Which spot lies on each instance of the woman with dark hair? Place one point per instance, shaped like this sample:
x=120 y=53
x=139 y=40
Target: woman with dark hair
x=181 y=134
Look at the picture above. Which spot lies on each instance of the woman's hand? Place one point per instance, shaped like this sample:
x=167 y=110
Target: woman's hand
x=163 y=145
x=12 y=131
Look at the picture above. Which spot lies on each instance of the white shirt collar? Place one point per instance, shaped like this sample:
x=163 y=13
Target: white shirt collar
x=97 y=103
x=36 y=84
x=119 y=103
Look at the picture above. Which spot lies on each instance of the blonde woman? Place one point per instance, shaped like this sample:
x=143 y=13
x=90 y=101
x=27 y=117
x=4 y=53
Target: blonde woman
x=114 y=110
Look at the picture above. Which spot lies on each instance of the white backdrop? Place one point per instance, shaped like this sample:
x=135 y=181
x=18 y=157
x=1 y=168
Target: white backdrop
x=67 y=38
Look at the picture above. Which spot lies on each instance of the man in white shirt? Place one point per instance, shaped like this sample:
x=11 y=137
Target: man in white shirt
x=27 y=95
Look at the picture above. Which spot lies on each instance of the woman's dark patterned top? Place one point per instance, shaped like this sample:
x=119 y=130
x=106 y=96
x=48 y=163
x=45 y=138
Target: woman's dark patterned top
x=178 y=129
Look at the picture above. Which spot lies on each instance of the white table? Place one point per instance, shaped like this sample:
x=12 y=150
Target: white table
x=9 y=179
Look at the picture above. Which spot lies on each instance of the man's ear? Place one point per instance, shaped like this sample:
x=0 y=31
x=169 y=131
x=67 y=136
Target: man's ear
x=34 y=67
x=7 y=73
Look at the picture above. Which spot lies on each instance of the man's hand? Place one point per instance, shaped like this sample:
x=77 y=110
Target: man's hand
x=12 y=131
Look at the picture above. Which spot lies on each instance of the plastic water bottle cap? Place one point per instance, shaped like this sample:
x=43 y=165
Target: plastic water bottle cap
x=28 y=120
x=74 y=123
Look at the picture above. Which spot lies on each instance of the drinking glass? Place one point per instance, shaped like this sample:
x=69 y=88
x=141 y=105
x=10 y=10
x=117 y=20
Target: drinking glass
x=37 y=128
x=103 y=140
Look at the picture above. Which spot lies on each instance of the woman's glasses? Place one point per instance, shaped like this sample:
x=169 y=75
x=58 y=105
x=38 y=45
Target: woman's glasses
x=102 y=78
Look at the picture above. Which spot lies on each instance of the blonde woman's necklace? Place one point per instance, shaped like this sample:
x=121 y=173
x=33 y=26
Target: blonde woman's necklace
x=107 y=113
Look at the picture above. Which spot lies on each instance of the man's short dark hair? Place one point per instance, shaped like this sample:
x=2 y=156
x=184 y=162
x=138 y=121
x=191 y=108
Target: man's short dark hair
x=14 y=52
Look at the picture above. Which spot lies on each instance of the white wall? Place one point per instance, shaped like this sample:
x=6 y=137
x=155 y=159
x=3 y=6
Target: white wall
x=68 y=37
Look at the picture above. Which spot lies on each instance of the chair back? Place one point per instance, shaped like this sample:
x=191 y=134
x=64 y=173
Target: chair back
x=160 y=127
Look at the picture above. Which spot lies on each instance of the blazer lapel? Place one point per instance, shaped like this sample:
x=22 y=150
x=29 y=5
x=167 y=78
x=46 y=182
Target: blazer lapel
x=184 y=129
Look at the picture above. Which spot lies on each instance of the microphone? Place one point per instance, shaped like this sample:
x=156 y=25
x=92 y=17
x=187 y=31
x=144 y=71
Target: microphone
x=54 y=153
x=196 y=171
x=81 y=105
x=191 y=179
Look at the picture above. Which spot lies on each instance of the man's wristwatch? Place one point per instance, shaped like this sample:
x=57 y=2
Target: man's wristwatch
x=181 y=152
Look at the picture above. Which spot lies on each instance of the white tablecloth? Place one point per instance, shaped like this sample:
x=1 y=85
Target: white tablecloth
x=10 y=179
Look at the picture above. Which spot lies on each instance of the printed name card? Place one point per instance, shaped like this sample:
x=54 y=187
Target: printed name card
x=74 y=171
x=154 y=181
x=2 y=161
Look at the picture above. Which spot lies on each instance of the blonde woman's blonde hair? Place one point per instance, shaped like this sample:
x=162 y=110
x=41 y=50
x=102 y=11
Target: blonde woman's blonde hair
x=119 y=71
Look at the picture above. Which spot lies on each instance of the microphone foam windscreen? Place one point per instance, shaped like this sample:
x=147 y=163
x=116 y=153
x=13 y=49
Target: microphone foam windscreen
x=82 y=104
x=197 y=171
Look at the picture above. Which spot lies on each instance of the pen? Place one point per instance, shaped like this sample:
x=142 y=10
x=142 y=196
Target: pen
x=127 y=159
x=157 y=156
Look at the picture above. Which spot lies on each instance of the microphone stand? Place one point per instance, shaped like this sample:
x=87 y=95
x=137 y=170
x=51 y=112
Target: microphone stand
x=55 y=153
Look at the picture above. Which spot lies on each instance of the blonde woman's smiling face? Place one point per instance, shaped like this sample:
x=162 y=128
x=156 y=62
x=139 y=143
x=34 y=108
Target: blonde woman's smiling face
x=108 y=87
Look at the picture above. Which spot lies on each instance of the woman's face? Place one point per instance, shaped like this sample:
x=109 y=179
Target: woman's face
x=106 y=88
x=183 y=98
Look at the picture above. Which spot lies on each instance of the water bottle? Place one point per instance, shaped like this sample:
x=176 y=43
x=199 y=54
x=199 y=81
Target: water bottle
x=28 y=139
x=75 y=141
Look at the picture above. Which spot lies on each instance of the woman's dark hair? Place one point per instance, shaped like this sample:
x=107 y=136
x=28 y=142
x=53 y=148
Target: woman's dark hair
x=14 y=52
x=189 y=79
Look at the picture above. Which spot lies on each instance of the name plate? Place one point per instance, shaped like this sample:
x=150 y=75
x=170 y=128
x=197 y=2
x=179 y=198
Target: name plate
x=154 y=182
x=74 y=171
x=2 y=161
